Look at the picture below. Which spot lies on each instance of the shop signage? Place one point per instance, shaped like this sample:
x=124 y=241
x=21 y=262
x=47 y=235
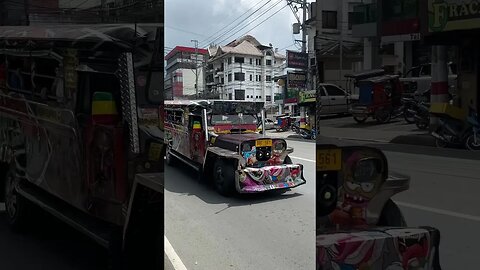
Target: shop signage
x=297 y=60
x=448 y=15
x=307 y=96
x=296 y=82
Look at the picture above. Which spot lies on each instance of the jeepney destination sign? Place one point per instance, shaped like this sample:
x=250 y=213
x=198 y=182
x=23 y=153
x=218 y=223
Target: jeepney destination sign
x=448 y=15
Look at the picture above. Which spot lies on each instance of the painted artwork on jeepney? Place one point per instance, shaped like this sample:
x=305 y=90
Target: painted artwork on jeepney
x=382 y=248
x=354 y=193
x=270 y=177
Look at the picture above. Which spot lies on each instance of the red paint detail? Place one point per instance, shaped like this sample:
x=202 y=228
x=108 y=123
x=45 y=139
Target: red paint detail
x=225 y=127
x=439 y=88
x=184 y=49
x=409 y=26
x=178 y=89
x=105 y=119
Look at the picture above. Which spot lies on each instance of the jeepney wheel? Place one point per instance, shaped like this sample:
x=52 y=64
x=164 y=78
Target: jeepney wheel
x=360 y=119
x=224 y=177
x=391 y=216
x=440 y=143
x=382 y=116
x=17 y=207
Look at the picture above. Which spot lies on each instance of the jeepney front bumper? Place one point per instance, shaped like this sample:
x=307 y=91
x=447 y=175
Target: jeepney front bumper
x=398 y=248
x=254 y=180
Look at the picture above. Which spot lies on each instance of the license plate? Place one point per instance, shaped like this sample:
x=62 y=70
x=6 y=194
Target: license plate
x=329 y=160
x=155 y=151
x=263 y=143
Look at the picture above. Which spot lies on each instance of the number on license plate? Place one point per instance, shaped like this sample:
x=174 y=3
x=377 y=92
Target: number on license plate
x=263 y=143
x=329 y=160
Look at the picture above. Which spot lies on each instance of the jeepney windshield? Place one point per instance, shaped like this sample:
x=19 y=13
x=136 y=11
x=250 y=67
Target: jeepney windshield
x=236 y=119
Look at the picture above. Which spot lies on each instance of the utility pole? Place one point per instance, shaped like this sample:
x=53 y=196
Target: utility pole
x=26 y=10
x=304 y=27
x=196 y=66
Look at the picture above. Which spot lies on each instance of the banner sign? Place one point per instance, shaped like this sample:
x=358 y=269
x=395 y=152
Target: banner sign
x=448 y=15
x=296 y=82
x=297 y=60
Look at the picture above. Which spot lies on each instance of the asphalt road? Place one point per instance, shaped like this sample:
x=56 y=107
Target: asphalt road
x=48 y=244
x=211 y=232
x=443 y=194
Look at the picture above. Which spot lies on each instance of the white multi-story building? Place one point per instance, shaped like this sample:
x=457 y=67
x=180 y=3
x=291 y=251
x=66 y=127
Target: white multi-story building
x=244 y=70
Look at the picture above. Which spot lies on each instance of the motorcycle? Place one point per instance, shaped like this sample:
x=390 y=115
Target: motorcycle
x=453 y=132
x=421 y=114
x=308 y=134
x=296 y=127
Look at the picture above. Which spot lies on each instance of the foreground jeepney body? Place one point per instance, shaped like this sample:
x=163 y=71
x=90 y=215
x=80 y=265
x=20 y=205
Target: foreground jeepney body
x=358 y=225
x=80 y=129
x=218 y=138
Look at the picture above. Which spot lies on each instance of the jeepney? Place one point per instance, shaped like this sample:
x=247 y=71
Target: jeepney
x=81 y=134
x=219 y=139
x=359 y=226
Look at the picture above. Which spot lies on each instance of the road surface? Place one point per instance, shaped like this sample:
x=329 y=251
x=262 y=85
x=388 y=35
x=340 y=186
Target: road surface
x=443 y=194
x=208 y=231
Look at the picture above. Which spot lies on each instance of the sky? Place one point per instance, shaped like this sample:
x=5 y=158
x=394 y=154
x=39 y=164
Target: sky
x=205 y=20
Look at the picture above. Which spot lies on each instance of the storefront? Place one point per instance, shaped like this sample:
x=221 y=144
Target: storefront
x=308 y=101
x=444 y=19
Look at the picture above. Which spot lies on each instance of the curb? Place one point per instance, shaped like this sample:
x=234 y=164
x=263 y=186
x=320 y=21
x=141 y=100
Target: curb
x=422 y=140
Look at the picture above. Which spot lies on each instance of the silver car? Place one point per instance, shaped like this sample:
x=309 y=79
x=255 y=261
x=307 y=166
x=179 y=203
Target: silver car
x=334 y=99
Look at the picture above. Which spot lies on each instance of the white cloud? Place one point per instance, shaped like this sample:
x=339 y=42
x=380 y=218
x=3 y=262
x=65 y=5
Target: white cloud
x=204 y=18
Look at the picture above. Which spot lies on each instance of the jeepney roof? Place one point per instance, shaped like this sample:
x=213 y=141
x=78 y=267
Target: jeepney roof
x=380 y=78
x=365 y=73
x=217 y=106
x=118 y=35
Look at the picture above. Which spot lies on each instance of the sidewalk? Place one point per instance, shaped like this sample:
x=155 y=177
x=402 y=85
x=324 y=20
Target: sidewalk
x=362 y=134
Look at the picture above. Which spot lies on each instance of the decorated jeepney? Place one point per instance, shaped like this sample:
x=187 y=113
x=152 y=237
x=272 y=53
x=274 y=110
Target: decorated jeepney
x=219 y=139
x=359 y=226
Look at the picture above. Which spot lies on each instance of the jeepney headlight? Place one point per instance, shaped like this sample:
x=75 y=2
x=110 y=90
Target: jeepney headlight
x=279 y=146
x=367 y=169
x=246 y=147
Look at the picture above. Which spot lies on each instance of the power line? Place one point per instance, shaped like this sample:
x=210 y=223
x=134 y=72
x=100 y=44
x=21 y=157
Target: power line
x=201 y=42
x=242 y=21
x=257 y=24
x=185 y=31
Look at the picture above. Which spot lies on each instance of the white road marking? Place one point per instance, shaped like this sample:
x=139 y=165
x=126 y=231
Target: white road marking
x=304 y=159
x=173 y=257
x=439 y=211
x=2 y=207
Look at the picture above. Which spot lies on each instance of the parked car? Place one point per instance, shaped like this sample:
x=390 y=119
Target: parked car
x=419 y=78
x=334 y=99
x=269 y=124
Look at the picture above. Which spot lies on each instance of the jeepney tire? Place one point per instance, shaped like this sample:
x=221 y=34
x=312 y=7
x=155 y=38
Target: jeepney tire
x=287 y=160
x=360 y=120
x=17 y=208
x=224 y=176
x=3 y=174
x=391 y=216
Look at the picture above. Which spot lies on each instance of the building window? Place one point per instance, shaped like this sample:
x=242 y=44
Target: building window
x=269 y=98
x=257 y=62
x=239 y=94
x=329 y=19
x=223 y=80
x=269 y=62
x=269 y=78
x=230 y=77
x=312 y=62
x=229 y=60
x=230 y=96
x=251 y=61
x=239 y=76
x=251 y=77
x=239 y=60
